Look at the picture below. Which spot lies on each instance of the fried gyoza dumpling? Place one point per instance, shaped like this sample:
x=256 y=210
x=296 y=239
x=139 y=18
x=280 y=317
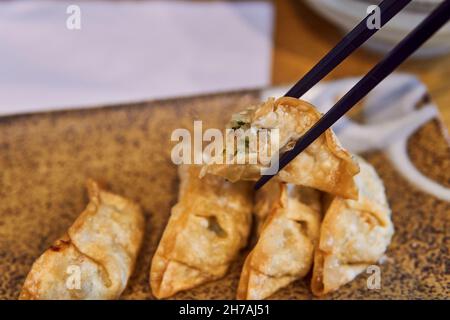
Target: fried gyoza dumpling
x=287 y=238
x=206 y=230
x=354 y=234
x=96 y=256
x=324 y=165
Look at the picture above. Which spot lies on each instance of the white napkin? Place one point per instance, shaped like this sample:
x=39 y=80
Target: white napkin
x=129 y=51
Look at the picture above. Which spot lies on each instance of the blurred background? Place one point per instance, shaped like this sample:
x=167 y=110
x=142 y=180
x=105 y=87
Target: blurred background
x=306 y=30
x=138 y=50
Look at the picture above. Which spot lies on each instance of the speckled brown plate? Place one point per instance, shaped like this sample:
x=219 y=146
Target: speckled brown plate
x=46 y=158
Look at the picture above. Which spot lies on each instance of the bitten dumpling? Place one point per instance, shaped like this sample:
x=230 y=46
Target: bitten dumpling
x=96 y=256
x=324 y=165
x=287 y=237
x=206 y=230
x=354 y=234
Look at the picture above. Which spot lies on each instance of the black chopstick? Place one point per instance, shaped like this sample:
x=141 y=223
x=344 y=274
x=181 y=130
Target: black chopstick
x=352 y=41
x=396 y=56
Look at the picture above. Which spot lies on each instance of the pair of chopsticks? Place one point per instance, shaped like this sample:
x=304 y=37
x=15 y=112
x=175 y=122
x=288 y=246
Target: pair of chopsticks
x=353 y=40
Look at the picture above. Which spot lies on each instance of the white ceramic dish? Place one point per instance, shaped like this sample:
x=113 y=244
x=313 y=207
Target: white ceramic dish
x=347 y=13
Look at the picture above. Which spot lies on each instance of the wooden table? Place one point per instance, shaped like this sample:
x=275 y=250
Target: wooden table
x=302 y=38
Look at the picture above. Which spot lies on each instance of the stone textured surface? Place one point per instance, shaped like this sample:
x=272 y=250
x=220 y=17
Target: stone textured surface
x=46 y=158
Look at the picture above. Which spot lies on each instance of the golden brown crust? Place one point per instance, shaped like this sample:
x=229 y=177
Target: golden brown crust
x=354 y=234
x=266 y=200
x=285 y=249
x=207 y=228
x=324 y=165
x=95 y=258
